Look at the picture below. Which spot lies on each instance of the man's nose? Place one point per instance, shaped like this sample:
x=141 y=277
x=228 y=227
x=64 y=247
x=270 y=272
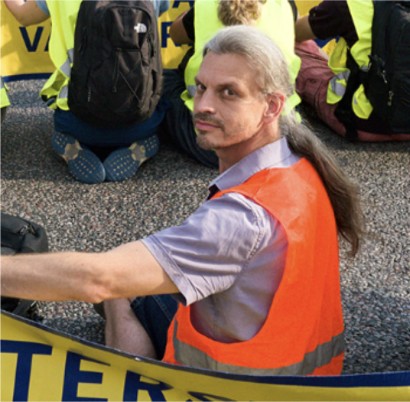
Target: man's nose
x=204 y=102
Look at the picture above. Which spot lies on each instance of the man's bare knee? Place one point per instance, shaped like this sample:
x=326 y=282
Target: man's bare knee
x=123 y=330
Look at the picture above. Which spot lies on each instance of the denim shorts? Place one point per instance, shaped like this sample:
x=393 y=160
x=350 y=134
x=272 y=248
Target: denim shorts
x=155 y=314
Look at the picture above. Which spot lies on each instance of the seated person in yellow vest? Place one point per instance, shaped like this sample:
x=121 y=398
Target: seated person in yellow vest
x=93 y=154
x=196 y=27
x=5 y=102
x=254 y=272
x=322 y=81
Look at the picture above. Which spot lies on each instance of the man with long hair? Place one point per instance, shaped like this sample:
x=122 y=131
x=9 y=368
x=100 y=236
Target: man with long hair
x=254 y=271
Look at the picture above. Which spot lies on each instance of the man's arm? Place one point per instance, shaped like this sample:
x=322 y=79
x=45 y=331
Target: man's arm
x=178 y=32
x=26 y=12
x=303 y=31
x=127 y=271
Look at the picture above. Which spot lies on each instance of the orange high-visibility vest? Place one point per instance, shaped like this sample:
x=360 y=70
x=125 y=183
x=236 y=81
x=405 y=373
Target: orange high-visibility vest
x=303 y=331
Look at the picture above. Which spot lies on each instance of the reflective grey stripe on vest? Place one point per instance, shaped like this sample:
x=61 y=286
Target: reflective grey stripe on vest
x=191 y=90
x=66 y=66
x=66 y=69
x=190 y=356
x=63 y=92
x=336 y=86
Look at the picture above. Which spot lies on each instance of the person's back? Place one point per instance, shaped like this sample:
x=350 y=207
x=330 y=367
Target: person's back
x=93 y=153
x=273 y=17
x=340 y=97
x=196 y=27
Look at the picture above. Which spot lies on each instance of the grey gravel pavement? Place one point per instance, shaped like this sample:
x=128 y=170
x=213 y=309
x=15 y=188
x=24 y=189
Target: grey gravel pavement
x=375 y=285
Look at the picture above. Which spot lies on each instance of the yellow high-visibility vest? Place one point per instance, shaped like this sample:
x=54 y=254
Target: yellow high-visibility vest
x=61 y=48
x=276 y=21
x=362 y=15
x=4 y=97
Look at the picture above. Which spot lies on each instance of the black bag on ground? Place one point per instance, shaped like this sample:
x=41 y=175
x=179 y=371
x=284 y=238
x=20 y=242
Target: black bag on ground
x=116 y=75
x=387 y=83
x=19 y=235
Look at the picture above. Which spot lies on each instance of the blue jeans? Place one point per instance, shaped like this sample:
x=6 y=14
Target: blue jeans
x=155 y=314
x=66 y=122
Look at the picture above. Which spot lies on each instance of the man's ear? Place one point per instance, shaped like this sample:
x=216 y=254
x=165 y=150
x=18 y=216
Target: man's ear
x=275 y=103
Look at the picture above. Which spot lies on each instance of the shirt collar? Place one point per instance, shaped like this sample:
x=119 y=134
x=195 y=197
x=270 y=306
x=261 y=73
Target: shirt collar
x=275 y=154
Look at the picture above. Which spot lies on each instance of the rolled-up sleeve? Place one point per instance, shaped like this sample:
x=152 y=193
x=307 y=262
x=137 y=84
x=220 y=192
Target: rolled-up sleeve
x=42 y=5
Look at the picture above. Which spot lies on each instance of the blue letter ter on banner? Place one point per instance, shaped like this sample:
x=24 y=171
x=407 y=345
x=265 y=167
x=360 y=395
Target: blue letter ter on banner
x=25 y=352
x=73 y=376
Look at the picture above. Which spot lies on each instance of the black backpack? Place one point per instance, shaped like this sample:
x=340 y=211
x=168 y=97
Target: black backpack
x=387 y=83
x=116 y=75
x=19 y=235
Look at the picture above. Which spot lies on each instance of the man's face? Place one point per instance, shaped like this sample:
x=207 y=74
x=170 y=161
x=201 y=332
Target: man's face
x=228 y=104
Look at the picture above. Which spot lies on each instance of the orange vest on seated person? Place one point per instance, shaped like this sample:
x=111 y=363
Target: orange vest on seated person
x=303 y=331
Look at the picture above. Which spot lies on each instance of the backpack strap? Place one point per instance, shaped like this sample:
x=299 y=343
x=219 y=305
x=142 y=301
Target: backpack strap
x=344 y=111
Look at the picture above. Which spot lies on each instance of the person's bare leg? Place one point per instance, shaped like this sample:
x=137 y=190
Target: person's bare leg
x=123 y=330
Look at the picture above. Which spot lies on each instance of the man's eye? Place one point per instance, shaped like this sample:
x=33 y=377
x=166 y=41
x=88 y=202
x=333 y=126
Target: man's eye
x=228 y=92
x=200 y=88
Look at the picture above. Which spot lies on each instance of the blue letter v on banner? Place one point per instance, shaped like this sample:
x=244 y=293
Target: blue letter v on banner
x=32 y=45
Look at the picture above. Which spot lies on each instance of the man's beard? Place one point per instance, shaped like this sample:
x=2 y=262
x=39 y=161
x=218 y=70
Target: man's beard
x=202 y=139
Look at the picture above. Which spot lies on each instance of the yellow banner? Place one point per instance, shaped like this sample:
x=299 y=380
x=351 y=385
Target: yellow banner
x=24 y=51
x=41 y=364
x=171 y=54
